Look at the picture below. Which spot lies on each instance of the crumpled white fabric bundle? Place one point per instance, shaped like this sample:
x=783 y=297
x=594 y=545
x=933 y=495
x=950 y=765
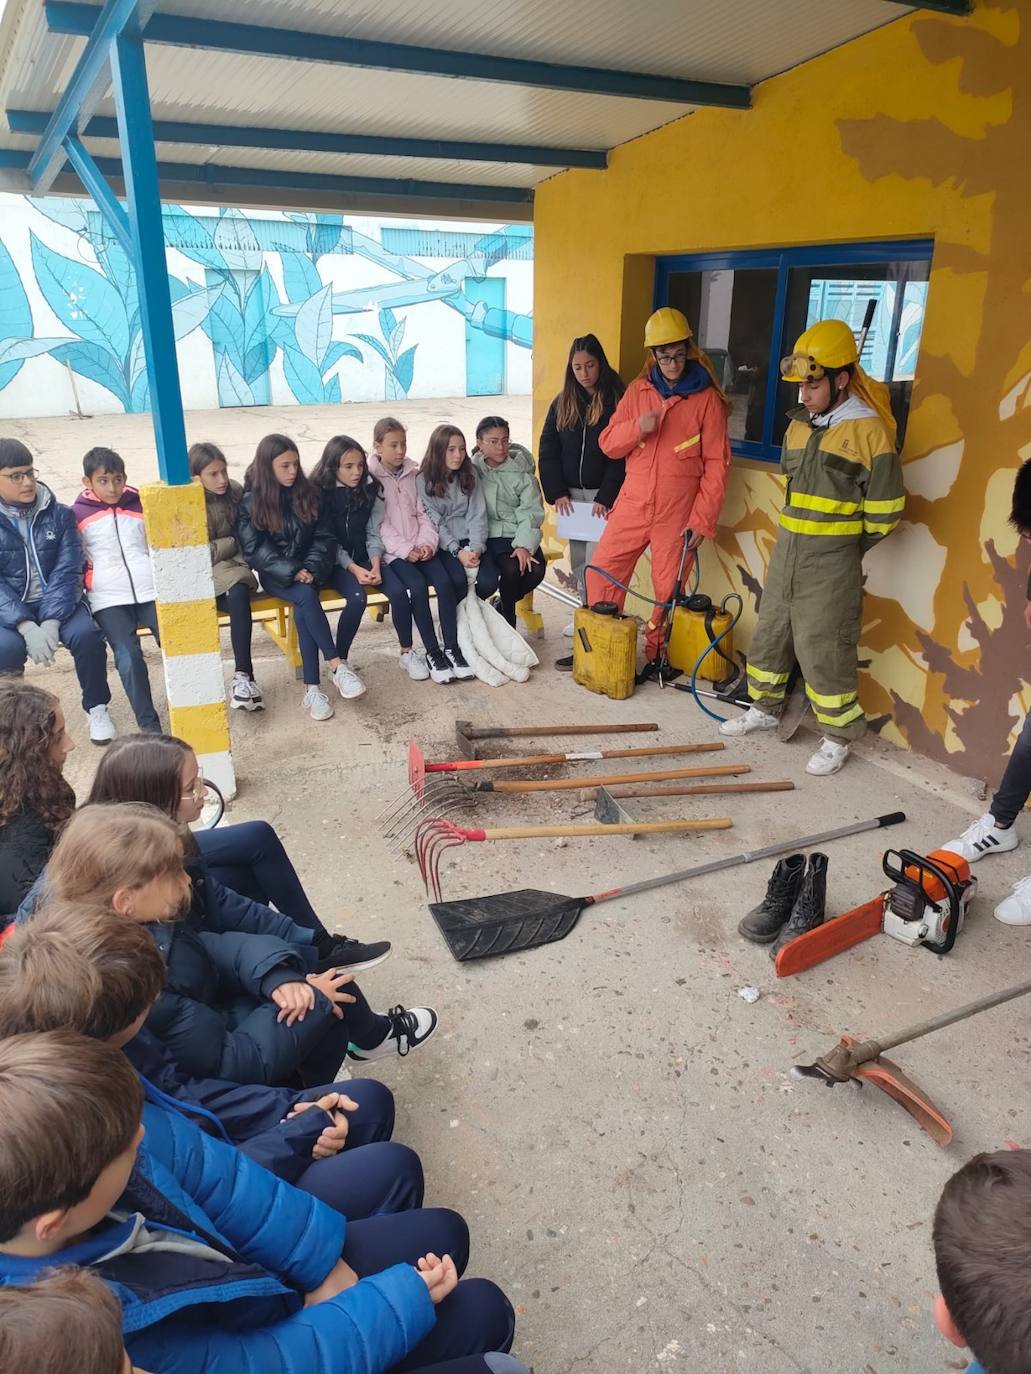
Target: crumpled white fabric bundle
x=495 y=651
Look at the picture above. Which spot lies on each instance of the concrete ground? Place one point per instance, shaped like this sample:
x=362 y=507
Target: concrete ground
x=640 y=1171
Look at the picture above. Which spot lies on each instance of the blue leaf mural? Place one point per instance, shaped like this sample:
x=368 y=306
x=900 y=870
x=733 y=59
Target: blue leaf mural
x=81 y=298
x=96 y=364
x=15 y=315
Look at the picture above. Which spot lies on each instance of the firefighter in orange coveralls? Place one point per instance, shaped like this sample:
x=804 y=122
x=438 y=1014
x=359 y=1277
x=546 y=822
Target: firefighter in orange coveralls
x=671 y=427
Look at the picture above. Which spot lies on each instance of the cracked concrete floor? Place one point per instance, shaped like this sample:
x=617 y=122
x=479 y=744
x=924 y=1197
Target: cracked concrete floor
x=639 y=1169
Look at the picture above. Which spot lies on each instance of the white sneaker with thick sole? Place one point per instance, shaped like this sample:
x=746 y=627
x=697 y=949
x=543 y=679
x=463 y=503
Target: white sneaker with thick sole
x=752 y=721
x=408 y=1030
x=1015 y=910
x=101 y=726
x=316 y=703
x=981 y=838
x=245 y=695
x=413 y=662
x=348 y=683
x=829 y=758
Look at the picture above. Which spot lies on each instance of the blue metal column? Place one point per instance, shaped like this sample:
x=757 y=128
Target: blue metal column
x=132 y=104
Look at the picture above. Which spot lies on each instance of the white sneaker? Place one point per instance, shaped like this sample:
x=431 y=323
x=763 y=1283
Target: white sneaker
x=981 y=838
x=1015 y=910
x=316 y=703
x=749 y=723
x=829 y=758
x=413 y=661
x=568 y=631
x=245 y=694
x=348 y=683
x=408 y=1030
x=101 y=726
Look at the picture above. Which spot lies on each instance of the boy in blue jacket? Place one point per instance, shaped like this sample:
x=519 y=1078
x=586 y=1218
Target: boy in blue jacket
x=41 y=604
x=217 y=1264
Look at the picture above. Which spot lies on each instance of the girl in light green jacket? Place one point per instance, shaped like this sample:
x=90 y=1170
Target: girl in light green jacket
x=512 y=564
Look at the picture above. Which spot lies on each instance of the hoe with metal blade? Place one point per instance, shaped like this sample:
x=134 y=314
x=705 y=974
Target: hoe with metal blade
x=435 y=835
x=509 y=922
x=468 y=735
x=608 y=801
x=863 y=1061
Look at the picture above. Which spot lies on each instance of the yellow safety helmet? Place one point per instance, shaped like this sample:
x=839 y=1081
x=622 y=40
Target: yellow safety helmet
x=827 y=346
x=666 y=326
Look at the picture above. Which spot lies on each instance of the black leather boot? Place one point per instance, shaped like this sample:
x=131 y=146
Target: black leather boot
x=763 y=922
x=811 y=905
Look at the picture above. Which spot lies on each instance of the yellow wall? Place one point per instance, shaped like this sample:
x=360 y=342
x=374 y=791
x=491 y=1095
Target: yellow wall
x=921 y=129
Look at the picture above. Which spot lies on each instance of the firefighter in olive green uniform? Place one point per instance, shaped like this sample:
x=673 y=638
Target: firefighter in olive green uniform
x=843 y=494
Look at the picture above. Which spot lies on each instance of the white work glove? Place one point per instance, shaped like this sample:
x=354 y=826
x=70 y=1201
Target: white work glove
x=52 y=630
x=36 y=642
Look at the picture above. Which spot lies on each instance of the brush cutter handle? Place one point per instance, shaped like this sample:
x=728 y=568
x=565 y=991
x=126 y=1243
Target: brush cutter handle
x=702 y=790
x=545 y=832
x=611 y=779
x=585 y=756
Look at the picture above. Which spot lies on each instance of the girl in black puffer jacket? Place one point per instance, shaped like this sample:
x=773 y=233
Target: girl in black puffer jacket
x=287 y=539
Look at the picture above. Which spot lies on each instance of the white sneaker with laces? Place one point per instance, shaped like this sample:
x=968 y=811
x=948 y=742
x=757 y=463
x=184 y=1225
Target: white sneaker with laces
x=316 y=703
x=408 y=1030
x=413 y=662
x=981 y=838
x=829 y=758
x=101 y=726
x=245 y=695
x=749 y=723
x=348 y=683
x=1015 y=910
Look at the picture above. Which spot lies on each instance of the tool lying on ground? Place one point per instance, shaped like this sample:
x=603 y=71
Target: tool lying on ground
x=508 y=922
x=435 y=835
x=863 y=1061
x=468 y=736
x=926 y=906
x=609 y=808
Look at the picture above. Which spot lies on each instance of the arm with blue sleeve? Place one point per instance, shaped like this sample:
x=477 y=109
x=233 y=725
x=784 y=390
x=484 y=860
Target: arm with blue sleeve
x=63 y=591
x=226 y=910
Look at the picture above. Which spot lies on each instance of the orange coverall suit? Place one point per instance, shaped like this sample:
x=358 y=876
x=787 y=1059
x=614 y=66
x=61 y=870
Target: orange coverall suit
x=676 y=478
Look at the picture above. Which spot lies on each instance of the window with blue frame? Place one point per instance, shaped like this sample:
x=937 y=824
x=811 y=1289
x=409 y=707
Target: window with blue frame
x=747 y=309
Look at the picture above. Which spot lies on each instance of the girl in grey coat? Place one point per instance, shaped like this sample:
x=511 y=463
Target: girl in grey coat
x=452 y=496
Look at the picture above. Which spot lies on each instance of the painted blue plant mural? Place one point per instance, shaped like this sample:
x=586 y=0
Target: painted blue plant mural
x=239 y=305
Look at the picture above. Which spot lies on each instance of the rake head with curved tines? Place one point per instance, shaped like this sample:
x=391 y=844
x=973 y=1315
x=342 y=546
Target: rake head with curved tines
x=437 y=795
x=432 y=837
x=402 y=840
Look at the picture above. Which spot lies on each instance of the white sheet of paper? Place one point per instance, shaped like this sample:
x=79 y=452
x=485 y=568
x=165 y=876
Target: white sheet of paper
x=581 y=524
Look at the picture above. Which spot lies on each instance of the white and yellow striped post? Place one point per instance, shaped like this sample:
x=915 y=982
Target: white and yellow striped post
x=177 y=531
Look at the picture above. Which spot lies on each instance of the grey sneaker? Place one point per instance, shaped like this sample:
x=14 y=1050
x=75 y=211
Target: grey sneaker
x=316 y=703
x=245 y=695
x=413 y=662
x=348 y=683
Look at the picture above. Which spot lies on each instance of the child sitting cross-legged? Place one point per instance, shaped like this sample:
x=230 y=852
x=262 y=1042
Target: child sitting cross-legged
x=218 y=1265
x=85 y=969
x=67 y=1323
x=238 y=1005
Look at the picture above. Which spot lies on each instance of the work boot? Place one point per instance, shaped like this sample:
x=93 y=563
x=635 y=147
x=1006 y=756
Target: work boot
x=810 y=905
x=763 y=922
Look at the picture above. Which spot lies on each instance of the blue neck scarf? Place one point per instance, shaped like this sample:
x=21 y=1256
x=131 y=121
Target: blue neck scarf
x=694 y=378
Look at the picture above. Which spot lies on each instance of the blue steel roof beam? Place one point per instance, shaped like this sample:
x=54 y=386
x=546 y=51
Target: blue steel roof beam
x=93 y=179
x=87 y=85
x=260 y=40
x=313 y=141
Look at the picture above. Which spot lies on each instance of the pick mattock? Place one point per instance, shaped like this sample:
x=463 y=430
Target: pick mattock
x=435 y=835
x=864 y=1061
x=468 y=735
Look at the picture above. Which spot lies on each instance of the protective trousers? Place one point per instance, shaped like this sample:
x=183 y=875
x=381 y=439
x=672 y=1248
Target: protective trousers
x=811 y=613
x=634 y=525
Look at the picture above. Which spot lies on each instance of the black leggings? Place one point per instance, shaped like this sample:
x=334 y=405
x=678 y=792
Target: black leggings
x=236 y=603
x=408 y=587
x=499 y=572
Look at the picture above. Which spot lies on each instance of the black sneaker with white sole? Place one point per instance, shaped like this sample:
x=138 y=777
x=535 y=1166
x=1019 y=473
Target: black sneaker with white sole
x=458 y=663
x=408 y=1030
x=440 y=667
x=353 y=956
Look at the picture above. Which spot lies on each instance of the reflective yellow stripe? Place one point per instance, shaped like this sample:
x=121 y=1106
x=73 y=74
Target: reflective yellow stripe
x=757 y=693
x=688 y=443
x=816 y=527
x=821 y=699
x=761 y=675
x=847 y=719
x=877 y=528
x=823 y=503
x=884 y=507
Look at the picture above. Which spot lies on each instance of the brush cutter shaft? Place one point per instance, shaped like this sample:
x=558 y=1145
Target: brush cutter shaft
x=707 y=789
x=524 y=731
x=936 y=1023
x=585 y=756
x=578 y=784
x=542 y=832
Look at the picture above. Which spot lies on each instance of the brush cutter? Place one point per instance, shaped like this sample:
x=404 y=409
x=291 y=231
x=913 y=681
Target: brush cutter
x=435 y=835
x=468 y=735
x=509 y=922
x=864 y=1061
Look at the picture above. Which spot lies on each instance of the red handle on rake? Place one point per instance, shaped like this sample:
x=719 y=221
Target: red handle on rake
x=417 y=765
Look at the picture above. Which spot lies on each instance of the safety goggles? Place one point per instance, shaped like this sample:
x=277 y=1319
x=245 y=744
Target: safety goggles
x=800 y=367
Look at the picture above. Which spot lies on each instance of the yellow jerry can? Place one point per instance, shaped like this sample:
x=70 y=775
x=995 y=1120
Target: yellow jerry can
x=605 y=650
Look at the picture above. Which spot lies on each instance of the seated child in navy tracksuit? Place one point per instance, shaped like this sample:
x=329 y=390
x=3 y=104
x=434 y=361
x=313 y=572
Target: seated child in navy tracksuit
x=119 y=574
x=67 y=1323
x=451 y=493
x=982 y=1250
x=218 y=1266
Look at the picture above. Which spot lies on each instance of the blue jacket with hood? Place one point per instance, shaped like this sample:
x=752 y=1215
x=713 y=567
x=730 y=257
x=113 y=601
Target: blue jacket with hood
x=52 y=550
x=232 y=1302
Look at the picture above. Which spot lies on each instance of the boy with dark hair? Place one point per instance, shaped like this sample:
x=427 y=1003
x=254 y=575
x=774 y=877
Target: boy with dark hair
x=982 y=1249
x=119 y=573
x=87 y=970
x=67 y=1323
x=41 y=601
x=994 y=832
x=217 y=1264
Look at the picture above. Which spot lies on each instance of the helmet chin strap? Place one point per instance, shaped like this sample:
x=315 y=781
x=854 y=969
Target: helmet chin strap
x=837 y=395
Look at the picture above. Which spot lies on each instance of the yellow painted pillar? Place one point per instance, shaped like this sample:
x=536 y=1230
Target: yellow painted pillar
x=177 y=531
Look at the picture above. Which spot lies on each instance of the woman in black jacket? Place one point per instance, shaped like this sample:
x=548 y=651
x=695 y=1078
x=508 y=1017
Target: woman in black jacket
x=35 y=800
x=287 y=538
x=571 y=464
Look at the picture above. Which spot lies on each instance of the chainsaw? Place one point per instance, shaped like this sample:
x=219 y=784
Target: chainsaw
x=926 y=905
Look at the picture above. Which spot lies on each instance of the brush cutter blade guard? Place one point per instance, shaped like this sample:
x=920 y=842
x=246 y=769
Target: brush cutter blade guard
x=482 y=927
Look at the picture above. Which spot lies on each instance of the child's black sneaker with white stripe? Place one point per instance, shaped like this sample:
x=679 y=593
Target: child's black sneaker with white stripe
x=408 y=1030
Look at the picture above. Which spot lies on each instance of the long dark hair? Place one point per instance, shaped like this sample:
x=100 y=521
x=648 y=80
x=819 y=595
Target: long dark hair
x=324 y=473
x=266 y=492
x=435 y=471
x=29 y=780
x=142 y=768
x=202 y=456
x=575 y=405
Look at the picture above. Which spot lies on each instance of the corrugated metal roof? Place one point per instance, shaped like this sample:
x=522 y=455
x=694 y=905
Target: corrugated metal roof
x=734 y=41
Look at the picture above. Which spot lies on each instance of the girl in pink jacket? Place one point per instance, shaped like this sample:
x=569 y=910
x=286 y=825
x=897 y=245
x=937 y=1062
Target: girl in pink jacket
x=410 y=563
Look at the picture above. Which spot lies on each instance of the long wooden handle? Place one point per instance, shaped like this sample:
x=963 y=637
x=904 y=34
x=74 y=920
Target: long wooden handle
x=703 y=790
x=580 y=756
x=614 y=779
x=544 y=832
x=524 y=731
